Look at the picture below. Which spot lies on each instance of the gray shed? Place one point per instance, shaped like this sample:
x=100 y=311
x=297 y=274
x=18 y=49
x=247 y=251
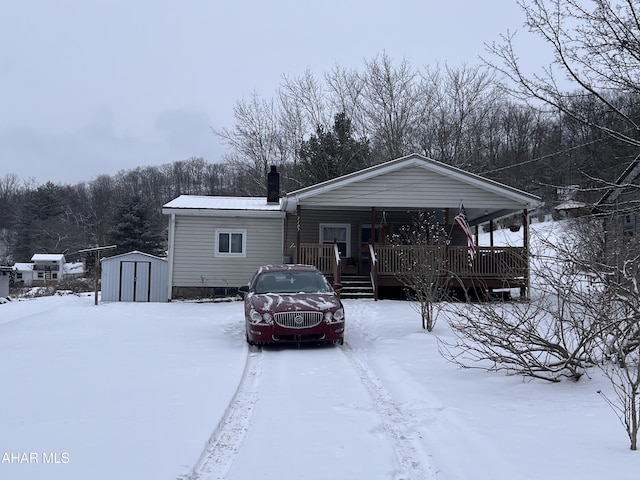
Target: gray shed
x=5 y=273
x=134 y=277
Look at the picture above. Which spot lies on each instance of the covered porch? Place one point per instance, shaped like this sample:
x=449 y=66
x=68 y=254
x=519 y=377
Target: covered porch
x=344 y=226
x=376 y=259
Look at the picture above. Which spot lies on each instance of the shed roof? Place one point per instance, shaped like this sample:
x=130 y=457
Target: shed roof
x=134 y=252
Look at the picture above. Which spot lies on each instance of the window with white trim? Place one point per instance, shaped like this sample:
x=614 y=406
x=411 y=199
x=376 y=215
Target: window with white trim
x=341 y=233
x=231 y=243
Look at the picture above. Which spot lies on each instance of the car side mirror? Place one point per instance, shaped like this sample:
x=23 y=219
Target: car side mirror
x=337 y=287
x=243 y=290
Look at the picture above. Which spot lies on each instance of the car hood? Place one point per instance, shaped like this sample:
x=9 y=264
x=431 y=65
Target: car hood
x=283 y=302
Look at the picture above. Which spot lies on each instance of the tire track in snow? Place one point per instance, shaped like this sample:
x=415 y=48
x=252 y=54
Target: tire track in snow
x=412 y=460
x=227 y=438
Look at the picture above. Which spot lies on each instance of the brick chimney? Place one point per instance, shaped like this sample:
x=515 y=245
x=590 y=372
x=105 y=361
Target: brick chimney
x=273 y=186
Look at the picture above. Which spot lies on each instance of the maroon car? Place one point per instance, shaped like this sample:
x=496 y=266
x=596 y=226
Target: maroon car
x=292 y=304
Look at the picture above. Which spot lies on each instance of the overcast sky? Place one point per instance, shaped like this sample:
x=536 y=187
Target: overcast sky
x=90 y=87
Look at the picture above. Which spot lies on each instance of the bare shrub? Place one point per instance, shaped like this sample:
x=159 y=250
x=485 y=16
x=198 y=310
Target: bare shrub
x=420 y=252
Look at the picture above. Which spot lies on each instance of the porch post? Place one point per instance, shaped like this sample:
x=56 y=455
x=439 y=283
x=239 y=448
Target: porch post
x=372 y=237
x=491 y=233
x=297 y=259
x=373 y=267
x=524 y=291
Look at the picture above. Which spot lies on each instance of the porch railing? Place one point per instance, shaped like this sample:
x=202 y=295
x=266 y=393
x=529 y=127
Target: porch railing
x=318 y=254
x=489 y=262
x=493 y=262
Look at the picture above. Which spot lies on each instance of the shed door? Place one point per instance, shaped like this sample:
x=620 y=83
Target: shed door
x=135 y=282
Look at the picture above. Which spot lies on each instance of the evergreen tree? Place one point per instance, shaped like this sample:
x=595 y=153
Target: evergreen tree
x=134 y=229
x=330 y=154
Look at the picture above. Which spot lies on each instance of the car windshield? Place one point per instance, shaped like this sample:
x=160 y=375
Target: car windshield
x=291 y=282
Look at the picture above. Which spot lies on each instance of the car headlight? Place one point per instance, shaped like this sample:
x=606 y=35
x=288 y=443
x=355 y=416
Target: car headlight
x=256 y=317
x=335 y=317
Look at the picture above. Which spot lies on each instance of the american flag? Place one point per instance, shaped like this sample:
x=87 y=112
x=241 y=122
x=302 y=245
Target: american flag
x=461 y=219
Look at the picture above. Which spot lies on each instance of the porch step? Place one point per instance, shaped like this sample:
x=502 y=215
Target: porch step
x=356 y=287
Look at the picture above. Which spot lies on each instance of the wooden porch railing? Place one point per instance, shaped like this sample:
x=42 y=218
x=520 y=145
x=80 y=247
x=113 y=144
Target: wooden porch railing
x=493 y=262
x=319 y=254
x=509 y=263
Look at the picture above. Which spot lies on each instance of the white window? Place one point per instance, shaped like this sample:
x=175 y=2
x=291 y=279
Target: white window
x=231 y=243
x=341 y=233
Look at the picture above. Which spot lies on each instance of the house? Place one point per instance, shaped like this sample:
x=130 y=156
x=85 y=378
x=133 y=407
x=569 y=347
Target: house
x=47 y=268
x=619 y=204
x=217 y=243
x=23 y=274
x=341 y=226
x=44 y=269
x=569 y=206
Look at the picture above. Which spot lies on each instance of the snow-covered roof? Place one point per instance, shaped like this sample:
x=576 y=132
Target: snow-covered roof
x=222 y=206
x=222 y=203
x=134 y=252
x=48 y=257
x=22 y=267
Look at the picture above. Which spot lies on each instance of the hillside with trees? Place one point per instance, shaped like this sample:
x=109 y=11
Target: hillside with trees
x=487 y=119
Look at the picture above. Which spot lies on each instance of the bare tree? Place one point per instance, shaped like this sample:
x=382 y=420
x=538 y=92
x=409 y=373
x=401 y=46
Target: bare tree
x=596 y=49
x=616 y=273
x=550 y=337
x=622 y=368
x=310 y=96
x=420 y=250
x=346 y=95
x=391 y=102
x=460 y=103
x=256 y=141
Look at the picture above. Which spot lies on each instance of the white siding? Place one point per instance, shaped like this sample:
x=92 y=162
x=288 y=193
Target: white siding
x=413 y=187
x=195 y=263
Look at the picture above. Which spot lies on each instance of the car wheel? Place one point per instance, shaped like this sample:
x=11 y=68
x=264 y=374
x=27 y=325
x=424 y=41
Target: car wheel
x=250 y=342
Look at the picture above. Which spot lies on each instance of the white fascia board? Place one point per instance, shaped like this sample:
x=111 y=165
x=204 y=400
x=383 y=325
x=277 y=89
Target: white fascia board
x=211 y=212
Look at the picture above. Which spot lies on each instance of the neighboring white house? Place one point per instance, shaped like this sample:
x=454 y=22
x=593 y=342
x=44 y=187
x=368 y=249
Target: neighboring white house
x=216 y=243
x=47 y=267
x=134 y=277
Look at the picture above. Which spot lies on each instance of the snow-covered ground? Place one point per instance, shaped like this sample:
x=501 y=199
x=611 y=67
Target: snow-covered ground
x=171 y=391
